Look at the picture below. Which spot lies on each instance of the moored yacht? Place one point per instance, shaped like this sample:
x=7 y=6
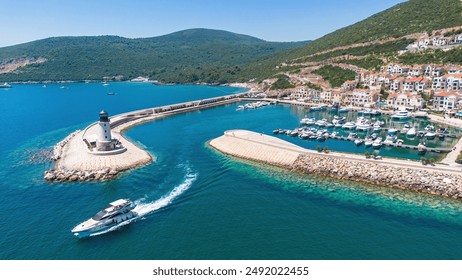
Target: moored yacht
x=5 y=85
x=411 y=132
x=377 y=144
x=115 y=213
x=349 y=125
x=401 y=115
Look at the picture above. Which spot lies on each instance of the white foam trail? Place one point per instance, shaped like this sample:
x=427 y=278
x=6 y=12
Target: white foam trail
x=143 y=209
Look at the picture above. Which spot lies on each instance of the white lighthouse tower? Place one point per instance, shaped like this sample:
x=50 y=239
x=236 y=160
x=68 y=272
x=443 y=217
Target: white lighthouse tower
x=104 y=139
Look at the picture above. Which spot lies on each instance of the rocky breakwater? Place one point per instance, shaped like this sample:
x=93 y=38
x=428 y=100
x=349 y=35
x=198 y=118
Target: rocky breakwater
x=414 y=179
x=61 y=175
x=58 y=148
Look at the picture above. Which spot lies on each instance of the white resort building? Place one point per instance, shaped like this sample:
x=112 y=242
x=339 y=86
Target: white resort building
x=446 y=101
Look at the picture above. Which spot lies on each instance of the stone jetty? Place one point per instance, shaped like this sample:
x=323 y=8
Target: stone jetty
x=73 y=162
x=434 y=179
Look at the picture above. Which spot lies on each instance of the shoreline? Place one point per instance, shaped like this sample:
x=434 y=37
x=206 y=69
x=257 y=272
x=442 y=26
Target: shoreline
x=437 y=180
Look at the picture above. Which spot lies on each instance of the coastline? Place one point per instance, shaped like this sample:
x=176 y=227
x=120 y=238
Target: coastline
x=74 y=163
x=444 y=181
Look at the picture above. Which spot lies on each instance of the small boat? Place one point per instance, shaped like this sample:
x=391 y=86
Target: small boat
x=105 y=84
x=392 y=131
x=294 y=133
x=411 y=132
x=441 y=136
x=111 y=93
x=343 y=110
x=364 y=126
x=6 y=85
x=240 y=108
x=421 y=148
x=377 y=144
x=352 y=135
x=359 y=142
x=114 y=214
x=307 y=121
x=390 y=140
x=429 y=128
x=368 y=142
x=278 y=131
x=430 y=135
x=322 y=122
x=349 y=125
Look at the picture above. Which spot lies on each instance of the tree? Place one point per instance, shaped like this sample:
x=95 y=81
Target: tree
x=367 y=154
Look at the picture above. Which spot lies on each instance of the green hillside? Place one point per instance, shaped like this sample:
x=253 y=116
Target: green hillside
x=186 y=56
x=409 y=17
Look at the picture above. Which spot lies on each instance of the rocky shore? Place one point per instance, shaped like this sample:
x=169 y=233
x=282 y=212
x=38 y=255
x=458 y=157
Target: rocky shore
x=420 y=180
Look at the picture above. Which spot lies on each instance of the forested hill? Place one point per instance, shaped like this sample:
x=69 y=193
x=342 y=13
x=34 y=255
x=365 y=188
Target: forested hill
x=413 y=16
x=183 y=57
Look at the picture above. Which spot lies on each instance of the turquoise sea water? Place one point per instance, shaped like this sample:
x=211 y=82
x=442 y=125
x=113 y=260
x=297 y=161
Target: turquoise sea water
x=197 y=203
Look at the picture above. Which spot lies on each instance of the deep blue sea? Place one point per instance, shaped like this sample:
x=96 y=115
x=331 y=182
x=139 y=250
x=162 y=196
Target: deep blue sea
x=197 y=203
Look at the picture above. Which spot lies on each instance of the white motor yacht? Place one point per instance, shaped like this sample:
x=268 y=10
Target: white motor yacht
x=401 y=115
x=411 y=132
x=349 y=125
x=377 y=143
x=115 y=213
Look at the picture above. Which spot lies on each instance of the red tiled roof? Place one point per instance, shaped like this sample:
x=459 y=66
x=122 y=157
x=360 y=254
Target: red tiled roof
x=445 y=93
x=413 y=80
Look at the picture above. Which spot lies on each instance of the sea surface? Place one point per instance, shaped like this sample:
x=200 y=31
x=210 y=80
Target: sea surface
x=196 y=203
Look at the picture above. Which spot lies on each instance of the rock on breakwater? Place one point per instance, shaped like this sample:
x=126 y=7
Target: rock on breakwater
x=62 y=175
x=58 y=148
x=420 y=180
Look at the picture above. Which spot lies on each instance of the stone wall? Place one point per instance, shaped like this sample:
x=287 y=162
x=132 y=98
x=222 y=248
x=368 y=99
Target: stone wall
x=420 y=180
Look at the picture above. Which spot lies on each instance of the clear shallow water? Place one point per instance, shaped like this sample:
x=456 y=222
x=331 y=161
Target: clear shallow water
x=198 y=204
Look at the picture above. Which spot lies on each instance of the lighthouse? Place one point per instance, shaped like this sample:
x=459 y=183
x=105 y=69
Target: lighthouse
x=104 y=139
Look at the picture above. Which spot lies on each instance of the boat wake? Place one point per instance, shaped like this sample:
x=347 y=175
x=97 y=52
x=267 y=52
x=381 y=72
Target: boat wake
x=142 y=208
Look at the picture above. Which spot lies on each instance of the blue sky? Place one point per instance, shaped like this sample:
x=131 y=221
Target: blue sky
x=282 y=20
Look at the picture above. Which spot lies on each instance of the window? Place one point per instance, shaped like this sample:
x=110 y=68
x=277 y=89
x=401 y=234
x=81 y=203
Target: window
x=105 y=137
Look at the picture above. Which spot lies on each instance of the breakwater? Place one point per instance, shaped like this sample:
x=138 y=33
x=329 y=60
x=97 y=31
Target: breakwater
x=440 y=180
x=420 y=179
x=74 y=162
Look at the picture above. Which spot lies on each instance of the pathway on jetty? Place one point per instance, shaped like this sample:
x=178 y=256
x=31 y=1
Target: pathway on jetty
x=438 y=179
